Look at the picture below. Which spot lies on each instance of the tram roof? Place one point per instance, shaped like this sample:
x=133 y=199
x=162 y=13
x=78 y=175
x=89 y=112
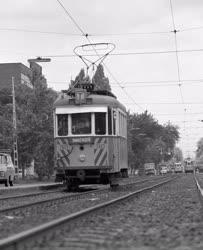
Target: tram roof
x=97 y=100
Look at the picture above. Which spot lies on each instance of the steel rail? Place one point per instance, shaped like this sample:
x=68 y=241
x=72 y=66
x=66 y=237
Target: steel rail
x=27 y=195
x=24 y=240
x=70 y=196
x=199 y=187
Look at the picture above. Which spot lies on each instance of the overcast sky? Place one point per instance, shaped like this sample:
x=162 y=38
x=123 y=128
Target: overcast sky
x=133 y=26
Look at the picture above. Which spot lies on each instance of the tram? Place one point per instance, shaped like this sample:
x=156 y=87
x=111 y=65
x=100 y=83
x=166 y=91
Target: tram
x=178 y=167
x=90 y=137
x=189 y=165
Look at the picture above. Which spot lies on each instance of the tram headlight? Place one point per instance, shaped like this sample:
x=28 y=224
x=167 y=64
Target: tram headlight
x=82 y=157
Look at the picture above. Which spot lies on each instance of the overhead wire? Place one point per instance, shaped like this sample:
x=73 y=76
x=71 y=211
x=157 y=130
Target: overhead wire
x=150 y=83
x=72 y=19
x=132 y=53
x=176 y=51
x=39 y=31
x=166 y=103
x=98 y=34
x=86 y=36
x=177 y=58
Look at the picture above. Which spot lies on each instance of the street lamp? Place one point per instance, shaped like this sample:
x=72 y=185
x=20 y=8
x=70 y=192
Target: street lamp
x=39 y=59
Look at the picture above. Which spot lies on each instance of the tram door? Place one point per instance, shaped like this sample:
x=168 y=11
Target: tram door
x=116 y=141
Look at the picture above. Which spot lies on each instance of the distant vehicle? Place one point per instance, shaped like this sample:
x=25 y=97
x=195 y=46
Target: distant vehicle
x=198 y=166
x=149 y=168
x=164 y=170
x=189 y=165
x=7 y=170
x=178 y=167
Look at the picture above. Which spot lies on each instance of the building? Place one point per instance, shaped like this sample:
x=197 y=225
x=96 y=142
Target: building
x=21 y=73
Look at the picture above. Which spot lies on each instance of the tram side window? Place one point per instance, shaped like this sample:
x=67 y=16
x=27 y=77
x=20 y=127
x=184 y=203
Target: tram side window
x=109 y=122
x=2 y=159
x=100 y=123
x=62 y=124
x=114 y=122
x=81 y=123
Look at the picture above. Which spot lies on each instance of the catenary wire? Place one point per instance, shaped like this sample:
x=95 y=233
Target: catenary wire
x=175 y=51
x=133 y=53
x=99 y=34
x=86 y=36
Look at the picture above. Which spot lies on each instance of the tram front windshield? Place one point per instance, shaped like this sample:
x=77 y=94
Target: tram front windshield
x=81 y=123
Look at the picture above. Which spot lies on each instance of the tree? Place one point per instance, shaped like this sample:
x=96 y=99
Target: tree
x=6 y=122
x=41 y=107
x=100 y=80
x=178 y=154
x=81 y=78
x=35 y=126
x=199 y=151
x=170 y=135
x=149 y=141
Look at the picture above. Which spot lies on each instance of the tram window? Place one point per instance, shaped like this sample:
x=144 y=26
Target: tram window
x=109 y=122
x=81 y=123
x=63 y=125
x=2 y=159
x=114 y=122
x=100 y=123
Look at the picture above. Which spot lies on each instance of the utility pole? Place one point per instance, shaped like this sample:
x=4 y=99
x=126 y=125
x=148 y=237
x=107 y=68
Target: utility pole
x=15 y=144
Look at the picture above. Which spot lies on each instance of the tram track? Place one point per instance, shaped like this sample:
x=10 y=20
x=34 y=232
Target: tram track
x=59 y=196
x=199 y=188
x=30 y=237
x=26 y=195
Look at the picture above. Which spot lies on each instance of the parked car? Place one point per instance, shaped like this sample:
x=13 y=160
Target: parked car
x=7 y=170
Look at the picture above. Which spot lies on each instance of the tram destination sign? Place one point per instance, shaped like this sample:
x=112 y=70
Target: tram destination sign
x=81 y=140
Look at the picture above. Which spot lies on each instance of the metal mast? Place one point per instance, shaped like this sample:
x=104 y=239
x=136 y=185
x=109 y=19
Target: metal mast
x=15 y=145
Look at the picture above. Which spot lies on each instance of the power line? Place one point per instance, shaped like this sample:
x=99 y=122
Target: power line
x=192 y=28
x=133 y=53
x=177 y=58
x=166 y=103
x=86 y=36
x=150 y=83
x=131 y=33
x=72 y=19
x=174 y=114
x=176 y=49
x=100 y=34
x=38 y=31
x=115 y=54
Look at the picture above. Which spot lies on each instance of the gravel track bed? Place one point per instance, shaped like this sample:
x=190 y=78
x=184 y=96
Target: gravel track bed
x=33 y=198
x=23 y=219
x=24 y=190
x=19 y=192
x=39 y=196
x=169 y=217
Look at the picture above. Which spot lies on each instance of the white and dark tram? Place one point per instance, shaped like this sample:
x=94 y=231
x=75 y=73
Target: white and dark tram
x=90 y=133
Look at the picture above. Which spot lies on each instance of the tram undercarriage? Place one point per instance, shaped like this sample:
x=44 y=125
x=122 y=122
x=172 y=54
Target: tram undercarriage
x=75 y=177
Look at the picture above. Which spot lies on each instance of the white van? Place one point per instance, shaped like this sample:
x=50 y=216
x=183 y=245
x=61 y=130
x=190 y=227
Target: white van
x=7 y=170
